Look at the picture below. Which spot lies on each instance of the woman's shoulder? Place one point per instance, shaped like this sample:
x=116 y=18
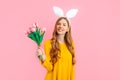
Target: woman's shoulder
x=47 y=42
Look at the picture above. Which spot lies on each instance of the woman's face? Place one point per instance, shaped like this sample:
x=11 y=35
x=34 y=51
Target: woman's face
x=62 y=27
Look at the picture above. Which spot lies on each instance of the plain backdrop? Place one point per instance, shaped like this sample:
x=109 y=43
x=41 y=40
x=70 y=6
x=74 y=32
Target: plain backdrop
x=95 y=30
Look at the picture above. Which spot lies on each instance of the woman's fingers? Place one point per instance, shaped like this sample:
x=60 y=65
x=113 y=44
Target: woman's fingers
x=42 y=51
x=43 y=54
x=39 y=52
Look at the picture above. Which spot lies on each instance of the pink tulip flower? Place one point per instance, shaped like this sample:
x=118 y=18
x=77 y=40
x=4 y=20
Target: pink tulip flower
x=32 y=29
x=27 y=32
x=44 y=29
x=35 y=25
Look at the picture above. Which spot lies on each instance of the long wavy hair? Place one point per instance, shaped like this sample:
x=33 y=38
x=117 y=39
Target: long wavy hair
x=55 y=50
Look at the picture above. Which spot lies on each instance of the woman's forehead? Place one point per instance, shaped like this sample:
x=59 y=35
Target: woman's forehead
x=62 y=21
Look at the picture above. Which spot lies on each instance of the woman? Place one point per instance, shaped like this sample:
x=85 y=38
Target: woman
x=58 y=56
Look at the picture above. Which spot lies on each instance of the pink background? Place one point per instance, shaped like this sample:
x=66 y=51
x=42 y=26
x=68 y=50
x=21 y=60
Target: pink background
x=95 y=29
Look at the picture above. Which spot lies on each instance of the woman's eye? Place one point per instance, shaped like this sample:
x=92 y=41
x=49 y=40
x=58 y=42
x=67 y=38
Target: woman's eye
x=58 y=24
x=64 y=24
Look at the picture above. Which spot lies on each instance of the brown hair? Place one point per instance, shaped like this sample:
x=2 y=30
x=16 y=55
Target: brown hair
x=55 y=44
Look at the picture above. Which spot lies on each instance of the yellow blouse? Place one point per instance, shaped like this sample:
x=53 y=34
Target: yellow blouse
x=63 y=68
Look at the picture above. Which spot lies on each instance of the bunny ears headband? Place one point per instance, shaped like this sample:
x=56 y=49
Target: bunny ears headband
x=60 y=13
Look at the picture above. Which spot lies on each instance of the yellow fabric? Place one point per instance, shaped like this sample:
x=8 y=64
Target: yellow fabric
x=63 y=68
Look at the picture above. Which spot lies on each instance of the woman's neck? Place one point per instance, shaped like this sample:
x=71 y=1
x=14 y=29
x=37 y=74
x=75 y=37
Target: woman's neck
x=61 y=38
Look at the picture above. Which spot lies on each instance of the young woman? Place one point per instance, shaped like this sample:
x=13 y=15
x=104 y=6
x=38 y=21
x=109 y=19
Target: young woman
x=58 y=55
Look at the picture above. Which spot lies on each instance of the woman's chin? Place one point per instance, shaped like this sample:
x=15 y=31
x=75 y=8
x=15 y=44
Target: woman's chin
x=60 y=33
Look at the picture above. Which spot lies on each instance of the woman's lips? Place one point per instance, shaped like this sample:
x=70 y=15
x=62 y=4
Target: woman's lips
x=59 y=29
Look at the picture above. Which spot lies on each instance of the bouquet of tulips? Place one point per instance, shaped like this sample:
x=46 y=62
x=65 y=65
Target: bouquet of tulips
x=36 y=34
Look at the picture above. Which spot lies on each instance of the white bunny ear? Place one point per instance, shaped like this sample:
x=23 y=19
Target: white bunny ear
x=58 y=11
x=71 y=13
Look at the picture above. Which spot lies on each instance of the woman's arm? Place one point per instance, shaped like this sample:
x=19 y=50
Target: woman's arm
x=45 y=57
x=41 y=54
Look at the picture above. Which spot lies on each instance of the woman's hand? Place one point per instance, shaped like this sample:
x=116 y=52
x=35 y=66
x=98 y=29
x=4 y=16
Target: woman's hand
x=41 y=54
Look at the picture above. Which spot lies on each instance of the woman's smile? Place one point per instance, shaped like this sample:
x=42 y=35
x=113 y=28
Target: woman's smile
x=60 y=29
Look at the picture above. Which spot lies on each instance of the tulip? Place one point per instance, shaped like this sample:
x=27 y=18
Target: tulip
x=26 y=32
x=35 y=25
x=36 y=34
x=32 y=29
x=44 y=29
